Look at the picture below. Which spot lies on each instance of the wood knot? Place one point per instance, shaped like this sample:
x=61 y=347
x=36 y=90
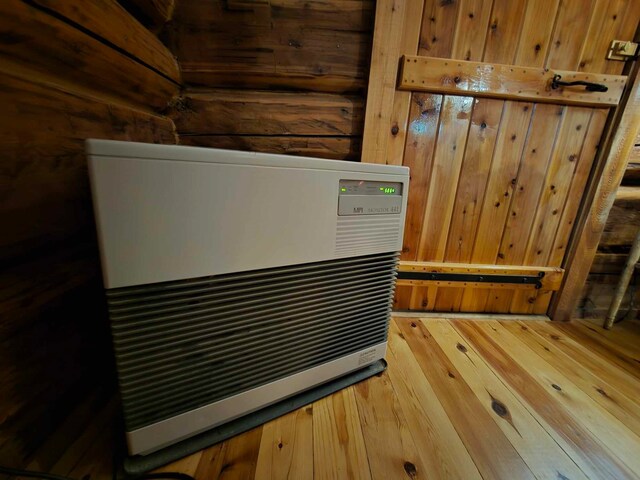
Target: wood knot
x=413 y=325
x=456 y=80
x=554 y=337
x=499 y=407
x=451 y=375
x=280 y=445
x=461 y=347
x=557 y=387
x=411 y=469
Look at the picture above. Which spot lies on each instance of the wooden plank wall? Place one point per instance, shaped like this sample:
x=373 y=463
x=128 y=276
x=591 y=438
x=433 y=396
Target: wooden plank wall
x=481 y=191
x=619 y=232
x=280 y=76
x=67 y=74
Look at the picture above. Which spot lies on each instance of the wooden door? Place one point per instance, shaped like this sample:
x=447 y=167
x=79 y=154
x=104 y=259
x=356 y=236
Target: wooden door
x=460 y=92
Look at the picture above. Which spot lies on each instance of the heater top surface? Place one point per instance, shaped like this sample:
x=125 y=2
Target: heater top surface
x=167 y=213
x=115 y=148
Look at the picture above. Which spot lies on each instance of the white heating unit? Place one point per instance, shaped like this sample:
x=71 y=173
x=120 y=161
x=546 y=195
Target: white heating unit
x=237 y=279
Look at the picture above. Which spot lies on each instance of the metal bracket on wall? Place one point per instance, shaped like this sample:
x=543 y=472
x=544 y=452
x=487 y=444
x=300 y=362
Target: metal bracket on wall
x=534 y=280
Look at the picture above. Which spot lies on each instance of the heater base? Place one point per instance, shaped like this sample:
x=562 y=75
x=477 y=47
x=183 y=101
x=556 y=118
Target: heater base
x=137 y=465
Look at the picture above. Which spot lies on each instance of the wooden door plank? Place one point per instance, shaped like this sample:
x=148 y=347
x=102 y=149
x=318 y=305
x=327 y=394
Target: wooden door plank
x=439 y=445
x=629 y=10
x=391 y=450
x=286 y=447
x=508 y=82
x=529 y=182
x=597 y=204
x=481 y=141
x=607 y=18
x=618 y=405
x=565 y=156
x=537 y=448
x=492 y=452
x=471 y=29
x=418 y=156
x=554 y=397
x=504 y=169
x=397 y=128
x=578 y=184
x=504 y=31
x=572 y=25
x=387 y=42
x=436 y=39
x=447 y=162
x=535 y=36
x=338 y=444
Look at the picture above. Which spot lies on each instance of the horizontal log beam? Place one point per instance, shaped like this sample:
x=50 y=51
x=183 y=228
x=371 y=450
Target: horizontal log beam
x=549 y=282
x=46 y=41
x=510 y=82
x=234 y=112
x=336 y=148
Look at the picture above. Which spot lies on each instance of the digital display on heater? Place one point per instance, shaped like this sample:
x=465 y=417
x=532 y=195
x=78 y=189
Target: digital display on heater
x=365 y=197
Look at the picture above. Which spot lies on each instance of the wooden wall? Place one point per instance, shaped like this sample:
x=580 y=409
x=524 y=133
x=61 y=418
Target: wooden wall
x=620 y=230
x=282 y=76
x=70 y=71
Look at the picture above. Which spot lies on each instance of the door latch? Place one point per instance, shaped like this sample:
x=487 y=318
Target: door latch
x=589 y=86
x=622 y=50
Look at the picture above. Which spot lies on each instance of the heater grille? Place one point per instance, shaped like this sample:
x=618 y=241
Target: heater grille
x=184 y=344
x=359 y=235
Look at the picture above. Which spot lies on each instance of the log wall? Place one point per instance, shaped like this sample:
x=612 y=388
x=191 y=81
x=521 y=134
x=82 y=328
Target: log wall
x=70 y=71
x=279 y=76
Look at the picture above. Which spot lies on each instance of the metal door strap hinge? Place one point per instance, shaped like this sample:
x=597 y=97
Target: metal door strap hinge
x=473 y=278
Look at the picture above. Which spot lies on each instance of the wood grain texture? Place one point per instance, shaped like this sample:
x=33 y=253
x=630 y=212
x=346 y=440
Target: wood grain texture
x=516 y=38
x=332 y=147
x=229 y=112
x=460 y=399
x=537 y=447
x=381 y=104
x=338 y=441
x=289 y=44
x=598 y=204
x=286 y=447
x=508 y=82
x=541 y=388
x=112 y=23
x=46 y=198
x=27 y=32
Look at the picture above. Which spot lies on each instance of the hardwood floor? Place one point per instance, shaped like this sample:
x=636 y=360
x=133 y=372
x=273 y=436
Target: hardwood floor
x=467 y=399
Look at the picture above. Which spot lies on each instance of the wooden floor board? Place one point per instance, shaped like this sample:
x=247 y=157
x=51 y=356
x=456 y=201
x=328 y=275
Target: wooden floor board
x=538 y=448
x=462 y=399
x=606 y=445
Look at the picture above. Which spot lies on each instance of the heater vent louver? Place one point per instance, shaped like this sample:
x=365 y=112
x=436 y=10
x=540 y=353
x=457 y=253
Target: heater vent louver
x=184 y=344
x=359 y=235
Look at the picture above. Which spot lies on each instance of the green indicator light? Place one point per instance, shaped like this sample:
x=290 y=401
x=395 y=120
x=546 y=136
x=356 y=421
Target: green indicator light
x=343 y=189
x=381 y=189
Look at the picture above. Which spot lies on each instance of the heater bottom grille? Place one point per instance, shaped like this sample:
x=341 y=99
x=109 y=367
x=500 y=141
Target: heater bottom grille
x=184 y=344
